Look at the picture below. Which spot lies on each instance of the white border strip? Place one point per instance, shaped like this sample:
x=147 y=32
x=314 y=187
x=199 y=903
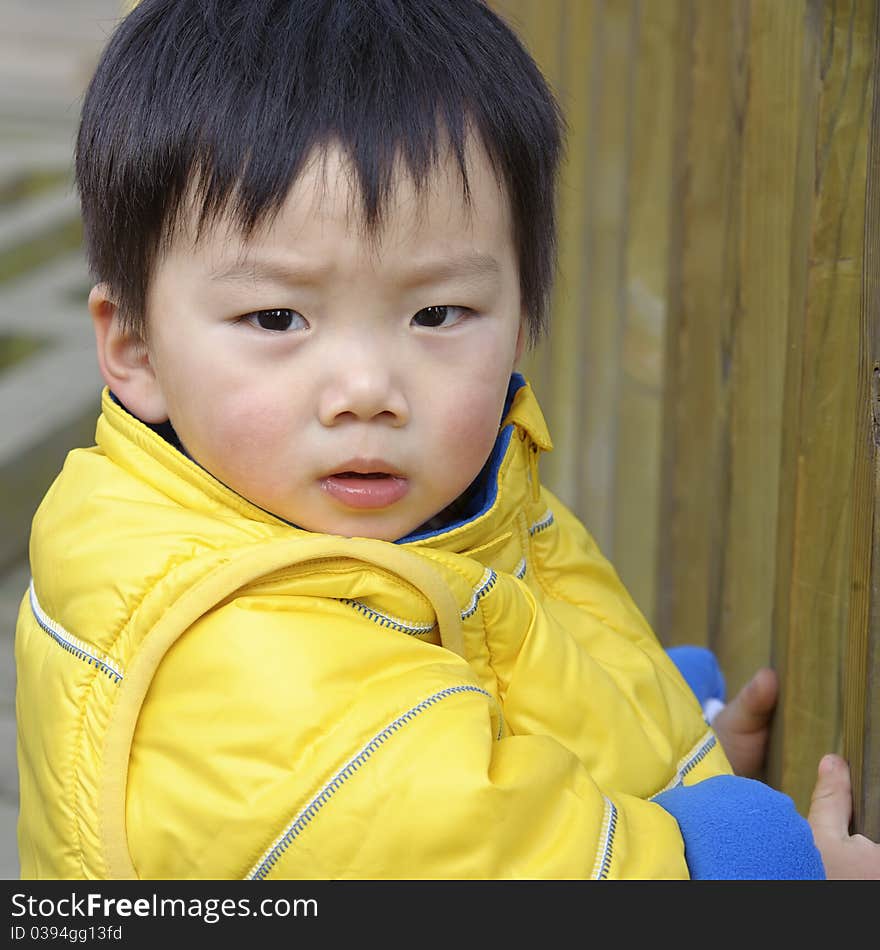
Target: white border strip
x=72 y=644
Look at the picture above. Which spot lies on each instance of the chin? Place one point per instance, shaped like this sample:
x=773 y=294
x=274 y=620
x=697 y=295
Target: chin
x=376 y=534
x=360 y=529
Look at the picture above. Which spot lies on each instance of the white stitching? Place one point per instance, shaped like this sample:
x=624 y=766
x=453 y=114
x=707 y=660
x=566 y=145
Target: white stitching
x=691 y=760
x=541 y=524
x=487 y=582
x=606 y=841
x=72 y=644
x=273 y=853
x=386 y=620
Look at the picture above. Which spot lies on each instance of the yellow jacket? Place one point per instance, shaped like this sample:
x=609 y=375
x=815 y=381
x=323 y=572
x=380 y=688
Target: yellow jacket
x=205 y=691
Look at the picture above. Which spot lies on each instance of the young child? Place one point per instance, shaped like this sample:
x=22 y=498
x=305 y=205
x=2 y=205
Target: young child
x=305 y=610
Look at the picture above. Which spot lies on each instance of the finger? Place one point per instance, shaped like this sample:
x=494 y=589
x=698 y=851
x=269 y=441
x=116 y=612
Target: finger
x=752 y=707
x=831 y=804
x=760 y=694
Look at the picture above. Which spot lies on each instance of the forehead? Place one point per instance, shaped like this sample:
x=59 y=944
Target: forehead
x=449 y=203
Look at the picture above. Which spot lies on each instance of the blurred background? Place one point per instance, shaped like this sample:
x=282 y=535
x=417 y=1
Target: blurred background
x=711 y=376
x=49 y=380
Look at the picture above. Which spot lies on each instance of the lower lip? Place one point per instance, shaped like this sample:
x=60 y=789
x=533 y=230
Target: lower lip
x=365 y=492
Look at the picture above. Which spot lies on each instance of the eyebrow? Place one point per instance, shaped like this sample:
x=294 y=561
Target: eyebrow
x=471 y=266
x=435 y=270
x=252 y=271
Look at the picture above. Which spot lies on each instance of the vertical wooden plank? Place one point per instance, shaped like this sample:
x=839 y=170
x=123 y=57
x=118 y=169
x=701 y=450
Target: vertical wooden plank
x=599 y=375
x=637 y=461
x=861 y=680
x=561 y=36
x=558 y=373
x=770 y=144
x=801 y=238
x=704 y=303
x=820 y=450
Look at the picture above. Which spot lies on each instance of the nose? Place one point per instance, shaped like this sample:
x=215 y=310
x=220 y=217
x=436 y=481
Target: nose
x=364 y=389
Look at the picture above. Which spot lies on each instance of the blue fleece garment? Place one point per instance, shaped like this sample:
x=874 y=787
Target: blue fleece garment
x=739 y=829
x=701 y=671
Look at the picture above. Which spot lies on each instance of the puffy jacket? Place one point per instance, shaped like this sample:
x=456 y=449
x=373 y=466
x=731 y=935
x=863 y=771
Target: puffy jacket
x=205 y=691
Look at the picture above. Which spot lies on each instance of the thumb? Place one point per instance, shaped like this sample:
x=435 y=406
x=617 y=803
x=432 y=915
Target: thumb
x=831 y=804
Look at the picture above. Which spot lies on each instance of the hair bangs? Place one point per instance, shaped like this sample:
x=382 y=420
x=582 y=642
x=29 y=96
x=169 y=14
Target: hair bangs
x=215 y=107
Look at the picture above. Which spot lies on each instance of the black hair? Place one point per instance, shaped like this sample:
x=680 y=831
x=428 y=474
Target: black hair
x=233 y=96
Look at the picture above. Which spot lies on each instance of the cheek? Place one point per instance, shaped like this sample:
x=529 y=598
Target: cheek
x=252 y=430
x=469 y=430
x=239 y=435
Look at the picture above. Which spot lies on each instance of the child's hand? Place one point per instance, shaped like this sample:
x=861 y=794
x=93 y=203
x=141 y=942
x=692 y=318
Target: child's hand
x=846 y=857
x=743 y=725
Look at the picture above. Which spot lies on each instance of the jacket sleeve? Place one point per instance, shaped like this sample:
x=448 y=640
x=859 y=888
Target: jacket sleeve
x=288 y=737
x=740 y=829
x=732 y=827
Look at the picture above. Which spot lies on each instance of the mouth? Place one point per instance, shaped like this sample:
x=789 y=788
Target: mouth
x=366 y=485
x=363 y=467
x=362 y=475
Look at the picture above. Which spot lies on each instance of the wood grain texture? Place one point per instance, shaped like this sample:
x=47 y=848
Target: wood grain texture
x=611 y=116
x=556 y=368
x=712 y=380
x=861 y=678
x=703 y=307
x=812 y=622
x=636 y=475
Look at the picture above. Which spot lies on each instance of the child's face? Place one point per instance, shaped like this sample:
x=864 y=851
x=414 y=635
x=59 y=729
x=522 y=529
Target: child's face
x=348 y=387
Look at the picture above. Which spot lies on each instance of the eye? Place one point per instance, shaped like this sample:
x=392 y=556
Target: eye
x=443 y=316
x=276 y=320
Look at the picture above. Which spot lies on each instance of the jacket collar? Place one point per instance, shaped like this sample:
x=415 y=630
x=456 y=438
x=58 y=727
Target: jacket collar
x=524 y=412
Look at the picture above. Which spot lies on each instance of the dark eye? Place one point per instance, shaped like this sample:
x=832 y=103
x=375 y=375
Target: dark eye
x=443 y=316
x=277 y=320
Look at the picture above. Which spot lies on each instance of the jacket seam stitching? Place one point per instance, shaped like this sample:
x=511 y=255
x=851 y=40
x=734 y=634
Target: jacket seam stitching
x=72 y=644
x=698 y=751
x=605 y=845
x=537 y=567
x=487 y=584
x=544 y=522
x=411 y=628
x=352 y=602
x=263 y=867
x=80 y=732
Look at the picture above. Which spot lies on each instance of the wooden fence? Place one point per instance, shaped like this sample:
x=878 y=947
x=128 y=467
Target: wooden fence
x=712 y=380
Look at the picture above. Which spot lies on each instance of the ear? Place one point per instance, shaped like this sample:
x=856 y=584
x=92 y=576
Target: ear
x=124 y=360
